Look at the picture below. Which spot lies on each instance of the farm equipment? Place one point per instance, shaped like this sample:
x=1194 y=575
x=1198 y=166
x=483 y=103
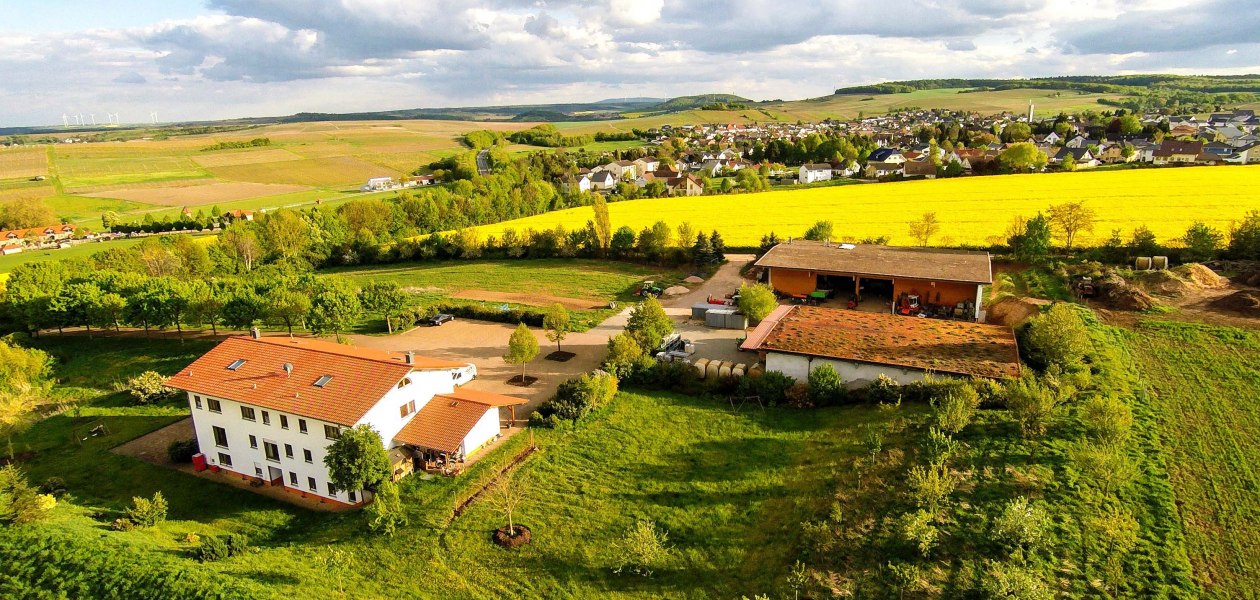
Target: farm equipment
x=674 y=348
x=649 y=289
x=909 y=304
x=1083 y=287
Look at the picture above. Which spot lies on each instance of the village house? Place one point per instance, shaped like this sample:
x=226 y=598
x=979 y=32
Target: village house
x=798 y=268
x=8 y=249
x=39 y=235
x=811 y=173
x=267 y=408
x=684 y=186
x=1177 y=152
x=377 y=184
x=921 y=169
x=862 y=346
x=601 y=180
x=622 y=169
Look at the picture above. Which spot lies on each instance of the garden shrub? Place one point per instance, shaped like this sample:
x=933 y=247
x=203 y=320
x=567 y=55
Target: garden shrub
x=825 y=386
x=146 y=512
x=771 y=387
x=237 y=544
x=19 y=501
x=884 y=390
x=932 y=388
x=212 y=548
x=182 y=451
x=149 y=387
x=1057 y=337
x=575 y=398
x=797 y=396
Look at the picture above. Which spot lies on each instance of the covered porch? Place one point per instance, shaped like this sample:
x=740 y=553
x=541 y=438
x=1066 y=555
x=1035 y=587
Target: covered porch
x=451 y=430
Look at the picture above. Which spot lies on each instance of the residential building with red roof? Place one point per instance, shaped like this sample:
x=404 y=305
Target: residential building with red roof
x=267 y=408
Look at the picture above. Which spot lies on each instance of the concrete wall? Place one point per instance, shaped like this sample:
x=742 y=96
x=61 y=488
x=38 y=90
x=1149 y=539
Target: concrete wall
x=798 y=367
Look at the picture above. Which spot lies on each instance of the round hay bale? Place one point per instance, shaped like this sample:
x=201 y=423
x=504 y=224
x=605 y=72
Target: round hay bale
x=712 y=369
x=701 y=366
x=756 y=371
x=724 y=371
x=739 y=370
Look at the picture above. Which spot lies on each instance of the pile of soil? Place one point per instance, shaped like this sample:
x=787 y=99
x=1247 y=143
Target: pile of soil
x=694 y=279
x=1116 y=293
x=1167 y=283
x=522 y=381
x=1201 y=276
x=676 y=290
x=1246 y=302
x=520 y=536
x=1251 y=278
x=1013 y=311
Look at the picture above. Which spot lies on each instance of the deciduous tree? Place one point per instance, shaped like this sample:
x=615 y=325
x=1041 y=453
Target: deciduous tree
x=1070 y=219
x=923 y=229
x=357 y=459
x=522 y=348
x=386 y=298
x=556 y=324
x=757 y=301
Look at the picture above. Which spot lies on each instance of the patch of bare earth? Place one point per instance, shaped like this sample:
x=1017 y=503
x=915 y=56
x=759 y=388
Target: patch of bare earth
x=197 y=195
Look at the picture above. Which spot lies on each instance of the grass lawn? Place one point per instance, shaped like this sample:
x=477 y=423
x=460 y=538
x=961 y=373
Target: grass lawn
x=730 y=488
x=1202 y=384
x=593 y=280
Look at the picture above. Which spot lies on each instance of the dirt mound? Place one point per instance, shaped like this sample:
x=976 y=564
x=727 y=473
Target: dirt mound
x=1166 y=283
x=1246 y=302
x=676 y=290
x=694 y=279
x=1013 y=311
x=1201 y=276
x=1116 y=293
x=1251 y=279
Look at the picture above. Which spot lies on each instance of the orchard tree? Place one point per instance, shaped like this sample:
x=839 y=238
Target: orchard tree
x=522 y=348
x=386 y=298
x=556 y=324
x=357 y=459
x=286 y=306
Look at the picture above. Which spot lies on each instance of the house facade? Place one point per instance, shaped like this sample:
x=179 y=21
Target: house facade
x=812 y=173
x=267 y=408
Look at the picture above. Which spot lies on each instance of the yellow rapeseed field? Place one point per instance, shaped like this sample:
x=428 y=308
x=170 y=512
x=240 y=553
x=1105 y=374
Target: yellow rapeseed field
x=971 y=210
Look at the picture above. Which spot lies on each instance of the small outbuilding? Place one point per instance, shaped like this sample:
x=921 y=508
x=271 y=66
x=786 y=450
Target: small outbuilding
x=794 y=340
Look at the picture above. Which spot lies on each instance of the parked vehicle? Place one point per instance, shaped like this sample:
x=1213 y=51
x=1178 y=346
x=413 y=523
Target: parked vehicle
x=438 y=319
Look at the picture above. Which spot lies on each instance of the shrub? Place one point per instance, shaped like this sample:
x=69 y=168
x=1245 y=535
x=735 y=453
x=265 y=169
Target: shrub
x=1021 y=526
x=931 y=486
x=932 y=388
x=122 y=524
x=19 y=502
x=884 y=390
x=149 y=387
x=663 y=375
x=955 y=411
x=917 y=530
x=237 y=544
x=575 y=398
x=211 y=549
x=182 y=451
x=1011 y=582
x=146 y=512
x=1107 y=419
x=797 y=396
x=53 y=486
x=771 y=387
x=757 y=301
x=1032 y=403
x=643 y=549
x=625 y=356
x=1057 y=337
x=938 y=447
x=825 y=386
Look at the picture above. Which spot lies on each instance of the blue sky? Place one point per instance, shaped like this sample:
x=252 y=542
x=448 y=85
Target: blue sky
x=234 y=58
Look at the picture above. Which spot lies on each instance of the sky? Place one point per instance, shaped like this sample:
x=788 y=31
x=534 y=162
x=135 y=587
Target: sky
x=214 y=59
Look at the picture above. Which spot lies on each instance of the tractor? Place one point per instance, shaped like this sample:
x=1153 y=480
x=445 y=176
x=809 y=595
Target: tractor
x=649 y=289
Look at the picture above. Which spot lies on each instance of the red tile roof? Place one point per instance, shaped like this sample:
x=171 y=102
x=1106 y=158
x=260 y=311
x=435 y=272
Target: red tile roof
x=443 y=423
x=360 y=376
x=480 y=397
x=950 y=347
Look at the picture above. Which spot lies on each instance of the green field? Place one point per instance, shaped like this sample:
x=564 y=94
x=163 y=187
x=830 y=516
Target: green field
x=1202 y=384
x=728 y=487
x=597 y=281
x=7 y=263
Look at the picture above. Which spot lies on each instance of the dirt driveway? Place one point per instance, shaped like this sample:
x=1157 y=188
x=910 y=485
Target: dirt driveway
x=484 y=343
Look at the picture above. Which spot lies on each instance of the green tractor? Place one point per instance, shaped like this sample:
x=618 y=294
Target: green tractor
x=649 y=289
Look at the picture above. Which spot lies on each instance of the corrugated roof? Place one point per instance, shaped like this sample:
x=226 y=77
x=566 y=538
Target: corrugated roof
x=360 y=377
x=937 y=264
x=442 y=424
x=952 y=347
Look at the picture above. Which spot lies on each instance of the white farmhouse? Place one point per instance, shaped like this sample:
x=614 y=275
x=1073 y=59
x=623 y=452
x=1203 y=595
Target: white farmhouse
x=267 y=408
x=810 y=173
x=377 y=184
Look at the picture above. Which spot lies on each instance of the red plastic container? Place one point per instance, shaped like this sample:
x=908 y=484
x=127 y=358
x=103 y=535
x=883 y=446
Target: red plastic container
x=199 y=462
